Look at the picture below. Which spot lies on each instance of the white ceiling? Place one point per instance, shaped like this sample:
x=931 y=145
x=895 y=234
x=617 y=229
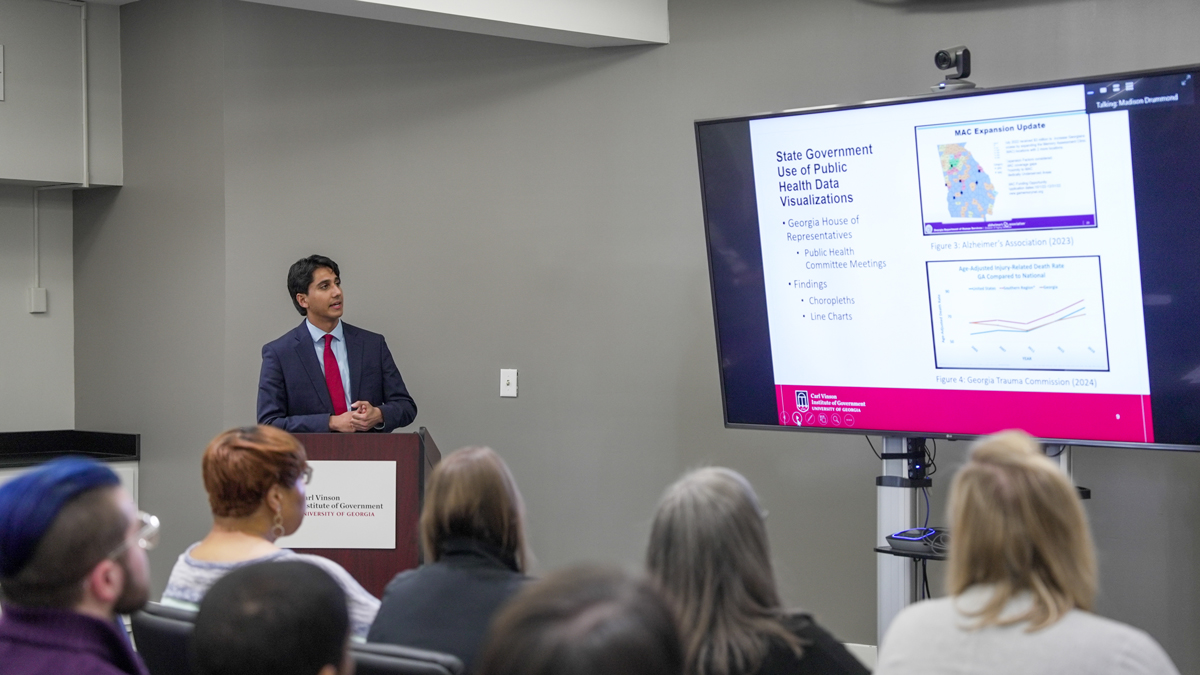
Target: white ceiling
x=579 y=23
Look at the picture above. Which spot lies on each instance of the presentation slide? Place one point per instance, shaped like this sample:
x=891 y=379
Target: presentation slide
x=1018 y=173
x=1029 y=296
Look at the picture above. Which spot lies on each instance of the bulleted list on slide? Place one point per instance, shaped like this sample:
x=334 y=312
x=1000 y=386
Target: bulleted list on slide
x=827 y=249
x=826 y=260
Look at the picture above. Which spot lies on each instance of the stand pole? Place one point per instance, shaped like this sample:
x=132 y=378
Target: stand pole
x=1061 y=455
x=896 y=510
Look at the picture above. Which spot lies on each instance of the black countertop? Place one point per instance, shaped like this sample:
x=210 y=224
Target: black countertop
x=26 y=448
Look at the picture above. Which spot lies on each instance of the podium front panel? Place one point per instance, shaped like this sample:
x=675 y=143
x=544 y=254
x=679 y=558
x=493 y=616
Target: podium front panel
x=375 y=567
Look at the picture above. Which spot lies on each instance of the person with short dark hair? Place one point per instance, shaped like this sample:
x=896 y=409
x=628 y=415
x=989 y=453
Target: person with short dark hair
x=326 y=375
x=709 y=555
x=584 y=621
x=255 y=478
x=72 y=557
x=285 y=618
x=473 y=533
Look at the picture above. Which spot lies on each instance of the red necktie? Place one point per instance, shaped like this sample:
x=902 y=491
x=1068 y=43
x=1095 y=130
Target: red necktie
x=333 y=378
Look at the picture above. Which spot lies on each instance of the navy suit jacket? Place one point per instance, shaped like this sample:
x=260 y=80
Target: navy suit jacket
x=292 y=393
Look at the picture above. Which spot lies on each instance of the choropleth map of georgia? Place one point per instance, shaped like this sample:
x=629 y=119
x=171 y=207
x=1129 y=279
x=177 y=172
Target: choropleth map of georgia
x=969 y=191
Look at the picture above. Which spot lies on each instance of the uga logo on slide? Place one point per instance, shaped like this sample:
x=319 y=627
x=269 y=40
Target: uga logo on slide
x=802 y=400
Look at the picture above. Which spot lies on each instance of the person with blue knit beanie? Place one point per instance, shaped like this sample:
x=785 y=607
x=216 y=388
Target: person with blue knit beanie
x=72 y=557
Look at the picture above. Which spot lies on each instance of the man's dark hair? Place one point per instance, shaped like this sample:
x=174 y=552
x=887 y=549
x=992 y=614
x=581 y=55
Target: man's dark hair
x=584 y=621
x=300 y=276
x=86 y=530
x=285 y=618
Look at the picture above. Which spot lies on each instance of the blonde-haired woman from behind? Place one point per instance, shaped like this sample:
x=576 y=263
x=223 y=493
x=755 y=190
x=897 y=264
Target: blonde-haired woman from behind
x=1021 y=581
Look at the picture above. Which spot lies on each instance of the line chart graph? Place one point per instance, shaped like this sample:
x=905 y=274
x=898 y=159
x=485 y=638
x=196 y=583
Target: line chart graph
x=1008 y=326
x=1018 y=314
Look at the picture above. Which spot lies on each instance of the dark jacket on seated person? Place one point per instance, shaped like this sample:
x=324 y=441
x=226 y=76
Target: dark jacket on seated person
x=35 y=640
x=446 y=606
x=823 y=654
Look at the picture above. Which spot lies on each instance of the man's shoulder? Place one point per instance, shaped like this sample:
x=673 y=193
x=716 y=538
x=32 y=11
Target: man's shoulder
x=284 y=340
x=353 y=332
x=27 y=659
x=48 y=642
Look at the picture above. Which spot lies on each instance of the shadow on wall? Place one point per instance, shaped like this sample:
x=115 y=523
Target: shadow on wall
x=919 y=6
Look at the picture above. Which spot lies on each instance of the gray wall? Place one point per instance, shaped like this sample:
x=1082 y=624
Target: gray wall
x=495 y=203
x=41 y=116
x=37 y=362
x=149 y=266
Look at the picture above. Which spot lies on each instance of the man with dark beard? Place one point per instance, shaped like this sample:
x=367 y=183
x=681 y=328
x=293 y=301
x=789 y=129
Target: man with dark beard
x=72 y=557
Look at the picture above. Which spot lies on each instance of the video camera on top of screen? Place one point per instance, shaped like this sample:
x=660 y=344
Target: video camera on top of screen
x=958 y=58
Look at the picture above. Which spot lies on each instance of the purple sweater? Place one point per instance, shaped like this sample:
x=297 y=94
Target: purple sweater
x=54 y=641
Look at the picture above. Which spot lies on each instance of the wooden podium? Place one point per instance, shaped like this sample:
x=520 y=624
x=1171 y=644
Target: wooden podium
x=414 y=454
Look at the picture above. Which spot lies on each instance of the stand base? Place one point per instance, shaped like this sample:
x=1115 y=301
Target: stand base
x=951 y=85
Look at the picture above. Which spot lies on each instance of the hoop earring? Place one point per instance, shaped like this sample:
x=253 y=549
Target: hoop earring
x=277 y=529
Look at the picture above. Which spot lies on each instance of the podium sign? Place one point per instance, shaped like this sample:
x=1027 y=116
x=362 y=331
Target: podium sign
x=348 y=504
x=402 y=460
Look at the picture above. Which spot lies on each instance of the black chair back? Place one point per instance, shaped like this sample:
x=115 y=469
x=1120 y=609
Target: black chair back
x=384 y=659
x=161 y=636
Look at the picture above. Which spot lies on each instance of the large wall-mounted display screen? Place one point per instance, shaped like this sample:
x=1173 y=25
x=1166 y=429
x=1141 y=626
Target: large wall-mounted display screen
x=959 y=264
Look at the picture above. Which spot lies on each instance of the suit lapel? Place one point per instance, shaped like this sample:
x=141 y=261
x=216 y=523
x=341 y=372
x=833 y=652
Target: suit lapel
x=354 y=350
x=308 y=356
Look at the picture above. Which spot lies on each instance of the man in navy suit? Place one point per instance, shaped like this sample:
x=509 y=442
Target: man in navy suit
x=326 y=375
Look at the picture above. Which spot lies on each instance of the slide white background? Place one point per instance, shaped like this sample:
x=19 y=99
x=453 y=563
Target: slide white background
x=880 y=333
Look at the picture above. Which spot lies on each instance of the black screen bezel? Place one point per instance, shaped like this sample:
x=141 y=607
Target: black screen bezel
x=939 y=96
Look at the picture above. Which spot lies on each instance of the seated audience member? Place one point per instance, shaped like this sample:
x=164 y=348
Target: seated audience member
x=1021 y=579
x=584 y=621
x=72 y=557
x=286 y=618
x=473 y=533
x=709 y=555
x=255 y=478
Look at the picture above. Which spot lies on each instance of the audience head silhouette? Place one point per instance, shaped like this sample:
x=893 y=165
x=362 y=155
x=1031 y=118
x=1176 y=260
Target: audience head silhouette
x=257 y=473
x=471 y=495
x=71 y=538
x=709 y=554
x=584 y=621
x=1018 y=525
x=275 y=618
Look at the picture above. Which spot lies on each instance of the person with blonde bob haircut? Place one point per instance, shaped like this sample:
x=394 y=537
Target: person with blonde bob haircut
x=255 y=478
x=1021 y=580
x=709 y=556
x=473 y=534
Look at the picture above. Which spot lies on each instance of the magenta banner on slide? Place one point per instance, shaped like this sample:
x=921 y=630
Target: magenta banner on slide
x=1098 y=417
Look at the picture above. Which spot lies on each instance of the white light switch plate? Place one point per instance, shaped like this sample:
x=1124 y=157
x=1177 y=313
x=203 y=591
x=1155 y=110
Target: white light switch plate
x=37 y=301
x=508 y=382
